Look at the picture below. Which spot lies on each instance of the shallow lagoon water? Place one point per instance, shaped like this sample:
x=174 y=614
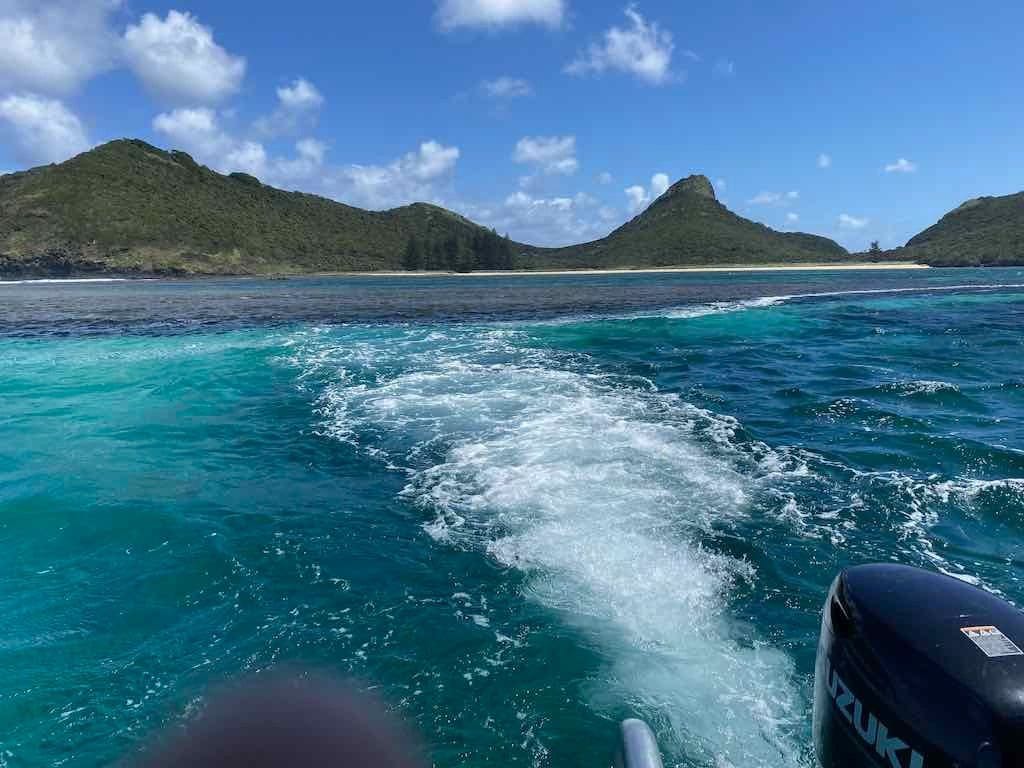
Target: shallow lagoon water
x=519 y=507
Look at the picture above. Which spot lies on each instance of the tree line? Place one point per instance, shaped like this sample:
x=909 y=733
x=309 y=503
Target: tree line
x=485 y=250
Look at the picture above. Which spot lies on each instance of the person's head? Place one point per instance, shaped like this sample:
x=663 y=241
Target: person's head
x=295 y=721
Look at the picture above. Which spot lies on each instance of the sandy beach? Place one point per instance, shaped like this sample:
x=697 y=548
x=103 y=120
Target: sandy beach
x=642 y=271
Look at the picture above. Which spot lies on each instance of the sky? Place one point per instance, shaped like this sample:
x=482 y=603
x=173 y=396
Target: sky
x=552 y=120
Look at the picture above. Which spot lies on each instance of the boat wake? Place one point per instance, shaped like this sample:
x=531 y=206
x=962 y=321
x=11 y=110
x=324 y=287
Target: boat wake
x=600 y=494
x=631 y=514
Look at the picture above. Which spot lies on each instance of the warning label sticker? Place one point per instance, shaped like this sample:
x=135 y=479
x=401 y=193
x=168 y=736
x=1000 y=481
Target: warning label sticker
x=993 y=642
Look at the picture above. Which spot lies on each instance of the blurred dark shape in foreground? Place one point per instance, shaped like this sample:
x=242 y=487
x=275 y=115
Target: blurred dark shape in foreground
x=294 y=721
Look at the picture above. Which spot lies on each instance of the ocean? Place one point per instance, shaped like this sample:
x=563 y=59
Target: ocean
x=519 y=508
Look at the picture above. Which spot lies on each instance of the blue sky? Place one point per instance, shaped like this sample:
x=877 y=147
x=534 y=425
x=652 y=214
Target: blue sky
x=554 y=120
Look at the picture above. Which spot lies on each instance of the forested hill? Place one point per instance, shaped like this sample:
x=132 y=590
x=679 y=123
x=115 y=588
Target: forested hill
x=128 y=207
x=688 y=226
x=985 y=231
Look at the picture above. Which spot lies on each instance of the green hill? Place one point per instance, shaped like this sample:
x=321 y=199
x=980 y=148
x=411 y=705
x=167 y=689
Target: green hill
x=687 y=225
x=986 y=231
x=131 y=208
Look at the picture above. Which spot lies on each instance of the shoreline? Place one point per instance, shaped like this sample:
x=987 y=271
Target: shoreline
x=704 y=269
x=711 y=268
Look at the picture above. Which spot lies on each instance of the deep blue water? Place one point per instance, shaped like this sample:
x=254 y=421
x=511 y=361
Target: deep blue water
x=520 y=507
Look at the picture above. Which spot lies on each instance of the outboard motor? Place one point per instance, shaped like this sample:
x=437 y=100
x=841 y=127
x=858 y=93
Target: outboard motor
x=918 y=670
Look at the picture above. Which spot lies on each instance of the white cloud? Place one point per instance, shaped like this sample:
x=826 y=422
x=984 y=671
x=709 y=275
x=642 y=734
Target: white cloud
x=178 y=59
x=824 y=161
x=44 y=130
x=550 y=154
x=248 y=156
x=306 y=167
x=720 y=185
x=901 y=166
x=298 y=109
x=643 y=49
x=311 y=149
x=186 y=123
x=659 y=185
x=507 y=88
x=53 y=47
x=725 y=68
x=552 y=221
x=420 y=175
x=604 y=178
x=846 y=221
x=431 y=161
x=300 y=95
x=639 y=198
x=198 y=131
x=408 y=179
x=774 y=198
x=497 y=13
x=792 y=218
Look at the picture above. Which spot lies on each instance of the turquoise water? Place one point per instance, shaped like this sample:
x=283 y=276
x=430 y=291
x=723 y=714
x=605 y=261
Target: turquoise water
x=520 y=508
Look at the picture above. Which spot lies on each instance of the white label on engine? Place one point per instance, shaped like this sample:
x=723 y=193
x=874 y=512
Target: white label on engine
x=992 y=642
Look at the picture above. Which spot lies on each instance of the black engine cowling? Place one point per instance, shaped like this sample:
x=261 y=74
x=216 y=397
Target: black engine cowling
x=918 y=670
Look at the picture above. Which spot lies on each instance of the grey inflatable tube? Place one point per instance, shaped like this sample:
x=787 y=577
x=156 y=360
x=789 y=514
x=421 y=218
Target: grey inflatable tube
x=637 y=746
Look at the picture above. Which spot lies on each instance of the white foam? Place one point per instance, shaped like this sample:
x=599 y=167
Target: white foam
x=917 y=289
x=922 y=387
x=47 y=281
x=723 y=307
x=969 y=489
x=762 y=302
x=600 y=493
x=920 y=507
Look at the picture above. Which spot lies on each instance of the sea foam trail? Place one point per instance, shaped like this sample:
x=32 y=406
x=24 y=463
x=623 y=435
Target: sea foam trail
x=52 y=281
x=723 y=307
x=598 y=492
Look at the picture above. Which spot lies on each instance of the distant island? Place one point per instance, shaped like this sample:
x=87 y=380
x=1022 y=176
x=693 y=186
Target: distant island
x=129 y=208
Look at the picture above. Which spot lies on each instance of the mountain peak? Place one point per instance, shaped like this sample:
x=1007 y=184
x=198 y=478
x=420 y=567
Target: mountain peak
x=697 y=184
